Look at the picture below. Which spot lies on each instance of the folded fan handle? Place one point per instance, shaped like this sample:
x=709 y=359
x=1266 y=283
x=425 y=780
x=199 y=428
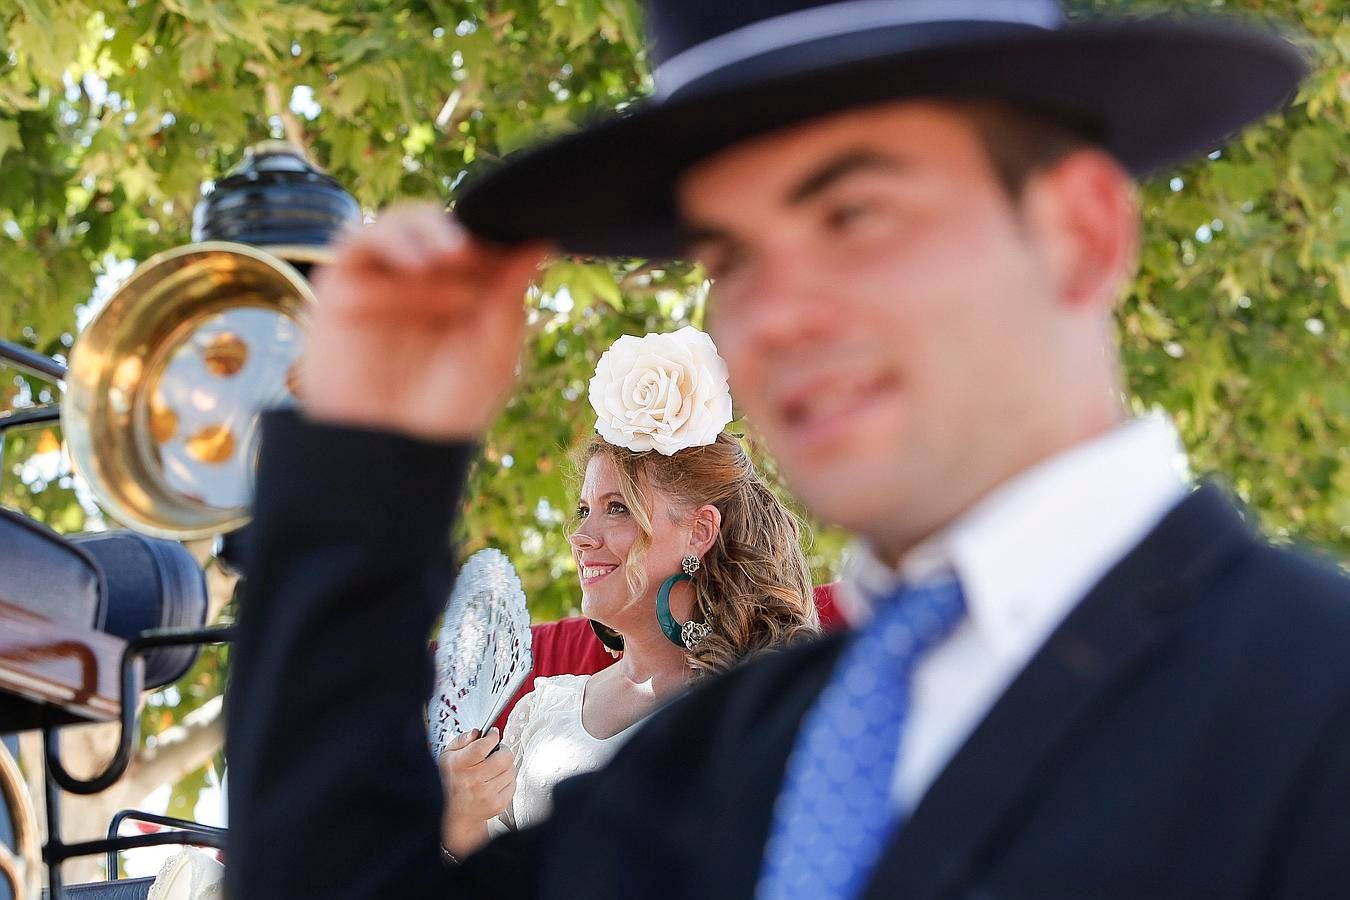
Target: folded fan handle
x=512 y=687
x=492 y=718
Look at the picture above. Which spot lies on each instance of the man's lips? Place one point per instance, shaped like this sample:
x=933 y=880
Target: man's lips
x=823 y=408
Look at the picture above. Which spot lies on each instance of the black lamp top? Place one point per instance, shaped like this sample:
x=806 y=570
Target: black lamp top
x=276 y=197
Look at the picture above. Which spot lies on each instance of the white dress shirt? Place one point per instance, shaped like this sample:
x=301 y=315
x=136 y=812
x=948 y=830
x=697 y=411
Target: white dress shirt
x=1025 y=555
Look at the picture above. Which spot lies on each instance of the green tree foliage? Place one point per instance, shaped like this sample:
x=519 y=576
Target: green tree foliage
x=1238 y=323
x=113 y=112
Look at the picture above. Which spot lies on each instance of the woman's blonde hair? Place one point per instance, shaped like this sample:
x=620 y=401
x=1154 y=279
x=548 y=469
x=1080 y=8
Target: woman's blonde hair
x=753 y=587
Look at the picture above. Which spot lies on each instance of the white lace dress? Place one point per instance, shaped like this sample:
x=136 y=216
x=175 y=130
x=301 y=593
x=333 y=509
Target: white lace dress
x=545 y=734
x=190 y=874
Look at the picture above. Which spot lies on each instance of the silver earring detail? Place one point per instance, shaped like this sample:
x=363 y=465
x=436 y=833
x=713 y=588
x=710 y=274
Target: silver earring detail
x=692 y=633
x=689 y=565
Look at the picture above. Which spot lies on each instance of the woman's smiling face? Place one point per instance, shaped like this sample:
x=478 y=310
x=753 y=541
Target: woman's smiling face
x=604 y=537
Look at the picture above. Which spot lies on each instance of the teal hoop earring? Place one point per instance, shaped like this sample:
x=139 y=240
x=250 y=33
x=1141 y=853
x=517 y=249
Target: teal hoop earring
x=663 y=616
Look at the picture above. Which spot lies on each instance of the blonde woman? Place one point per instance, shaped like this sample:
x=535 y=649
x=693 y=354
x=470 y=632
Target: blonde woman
x=680 y=548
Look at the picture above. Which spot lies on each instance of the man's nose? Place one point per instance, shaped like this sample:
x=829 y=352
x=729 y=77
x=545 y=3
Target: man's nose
x=784 y=304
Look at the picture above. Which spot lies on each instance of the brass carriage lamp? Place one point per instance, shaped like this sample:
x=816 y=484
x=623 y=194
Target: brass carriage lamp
x=167 y=383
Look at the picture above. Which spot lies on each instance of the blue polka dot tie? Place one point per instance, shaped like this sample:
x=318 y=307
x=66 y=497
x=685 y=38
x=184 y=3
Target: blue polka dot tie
x=834 y=814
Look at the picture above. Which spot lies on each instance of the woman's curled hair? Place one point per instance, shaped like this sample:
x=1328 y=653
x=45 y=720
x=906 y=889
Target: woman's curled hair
x=753 y=587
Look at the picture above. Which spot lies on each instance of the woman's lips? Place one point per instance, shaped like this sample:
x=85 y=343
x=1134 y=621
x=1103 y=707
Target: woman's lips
x=592 y=573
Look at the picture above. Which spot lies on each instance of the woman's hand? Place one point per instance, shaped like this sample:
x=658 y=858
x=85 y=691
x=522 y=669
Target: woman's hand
x=417 y=328
x=479 y=784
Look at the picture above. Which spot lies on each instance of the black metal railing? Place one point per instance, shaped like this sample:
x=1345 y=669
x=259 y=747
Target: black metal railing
x=56 y=777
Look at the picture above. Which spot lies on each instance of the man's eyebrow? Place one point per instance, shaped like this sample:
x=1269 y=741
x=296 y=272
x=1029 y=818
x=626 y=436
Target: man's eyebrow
x=820 y=179
x=841 y=166
x=697 y=233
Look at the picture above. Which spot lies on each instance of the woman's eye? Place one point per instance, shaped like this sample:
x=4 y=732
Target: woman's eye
x=616 y=508
x=582 y=511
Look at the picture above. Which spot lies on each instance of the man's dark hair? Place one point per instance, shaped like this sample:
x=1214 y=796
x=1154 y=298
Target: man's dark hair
x=1021 y=142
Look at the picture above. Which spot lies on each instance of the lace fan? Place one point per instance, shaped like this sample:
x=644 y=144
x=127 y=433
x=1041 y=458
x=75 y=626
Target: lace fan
x=483 y=650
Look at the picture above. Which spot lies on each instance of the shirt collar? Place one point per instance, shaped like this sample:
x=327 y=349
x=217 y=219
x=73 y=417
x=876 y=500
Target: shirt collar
x=1035 y=545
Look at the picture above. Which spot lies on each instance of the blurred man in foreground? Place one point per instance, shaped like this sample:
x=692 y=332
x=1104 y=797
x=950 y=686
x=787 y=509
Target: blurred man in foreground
x=1069 y=675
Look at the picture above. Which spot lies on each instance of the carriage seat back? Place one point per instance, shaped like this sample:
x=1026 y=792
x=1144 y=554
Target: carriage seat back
x=125 y=889
x=152 y=583
x=45 y=574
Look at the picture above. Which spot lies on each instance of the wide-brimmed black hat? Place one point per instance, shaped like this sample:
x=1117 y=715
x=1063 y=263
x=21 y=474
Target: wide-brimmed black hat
x=1151 y=91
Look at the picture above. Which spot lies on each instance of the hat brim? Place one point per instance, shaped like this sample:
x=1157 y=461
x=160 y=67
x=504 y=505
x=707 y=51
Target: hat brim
x=1157 y=91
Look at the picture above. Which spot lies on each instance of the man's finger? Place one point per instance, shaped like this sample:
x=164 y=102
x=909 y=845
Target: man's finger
x=404 y=239
x=383 y=247
x=439 y=230
x=435 y=237
x=519 y=267
x=505 y=291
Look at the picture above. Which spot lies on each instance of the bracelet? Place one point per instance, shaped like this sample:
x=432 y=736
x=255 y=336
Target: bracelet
x=448 y=857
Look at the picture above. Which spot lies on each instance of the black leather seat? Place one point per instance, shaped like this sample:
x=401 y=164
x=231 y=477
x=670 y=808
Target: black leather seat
x=152 y=583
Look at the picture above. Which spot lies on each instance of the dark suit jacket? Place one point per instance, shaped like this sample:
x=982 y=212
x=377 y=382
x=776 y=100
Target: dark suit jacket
x=1184 y=734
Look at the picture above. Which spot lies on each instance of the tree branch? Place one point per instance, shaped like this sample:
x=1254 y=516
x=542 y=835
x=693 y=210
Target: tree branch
x=182 y=748
x=277 y=106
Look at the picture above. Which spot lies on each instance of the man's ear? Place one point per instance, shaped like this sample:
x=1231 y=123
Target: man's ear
x=703 y=532
x=1084 y=212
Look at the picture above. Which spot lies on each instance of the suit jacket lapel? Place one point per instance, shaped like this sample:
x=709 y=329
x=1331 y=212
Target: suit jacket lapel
x=991 y=783
x=755 y=760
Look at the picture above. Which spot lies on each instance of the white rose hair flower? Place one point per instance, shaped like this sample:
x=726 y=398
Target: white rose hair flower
x=662 y=392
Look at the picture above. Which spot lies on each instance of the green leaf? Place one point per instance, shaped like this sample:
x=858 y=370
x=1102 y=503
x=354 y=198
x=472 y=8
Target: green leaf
x=600 y=282
x=196 y=55
x=9 y=137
